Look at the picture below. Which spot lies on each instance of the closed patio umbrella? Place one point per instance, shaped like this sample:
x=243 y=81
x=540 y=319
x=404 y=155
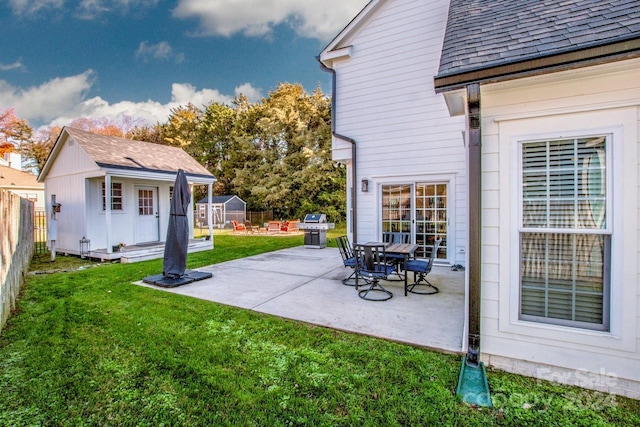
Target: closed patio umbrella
x=175 y=248
x=174 y=272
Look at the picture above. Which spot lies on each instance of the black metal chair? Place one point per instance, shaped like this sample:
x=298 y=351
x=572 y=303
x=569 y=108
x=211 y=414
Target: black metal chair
x=372 y=266
x=396 y=259
x=420 y=270
x=348 y=259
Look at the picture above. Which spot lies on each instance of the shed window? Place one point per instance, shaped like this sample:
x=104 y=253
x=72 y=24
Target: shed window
x=565 y=235
x=116 y=196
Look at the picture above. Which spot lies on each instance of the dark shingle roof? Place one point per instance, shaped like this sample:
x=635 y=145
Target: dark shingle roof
x=488 y=33
x=218 y=199
x=109 y=151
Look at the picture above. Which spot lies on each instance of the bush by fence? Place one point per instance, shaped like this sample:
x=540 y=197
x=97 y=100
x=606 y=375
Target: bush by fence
x=16 y=248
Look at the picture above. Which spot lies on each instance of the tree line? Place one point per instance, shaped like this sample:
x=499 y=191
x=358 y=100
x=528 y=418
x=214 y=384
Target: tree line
x=275 y=154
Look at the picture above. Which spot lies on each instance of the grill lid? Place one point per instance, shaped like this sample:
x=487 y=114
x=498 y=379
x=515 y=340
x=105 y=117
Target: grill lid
x=315 y=218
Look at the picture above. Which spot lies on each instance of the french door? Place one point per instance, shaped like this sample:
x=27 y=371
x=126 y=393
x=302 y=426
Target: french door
x=147 y=222
x=417 y=213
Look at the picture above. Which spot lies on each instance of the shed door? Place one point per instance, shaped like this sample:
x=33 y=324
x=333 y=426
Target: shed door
x=147 y=222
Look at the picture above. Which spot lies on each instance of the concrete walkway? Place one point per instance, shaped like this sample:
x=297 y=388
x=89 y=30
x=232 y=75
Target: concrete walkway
x=305 y=285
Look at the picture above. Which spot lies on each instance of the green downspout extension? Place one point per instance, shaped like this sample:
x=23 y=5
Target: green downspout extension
x=475 y=217
x=352 y=141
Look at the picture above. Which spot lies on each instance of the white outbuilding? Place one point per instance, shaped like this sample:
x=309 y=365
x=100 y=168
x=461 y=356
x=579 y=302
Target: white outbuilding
x=130 y=220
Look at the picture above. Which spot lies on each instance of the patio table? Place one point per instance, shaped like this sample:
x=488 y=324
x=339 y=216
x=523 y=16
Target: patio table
x=407 y=250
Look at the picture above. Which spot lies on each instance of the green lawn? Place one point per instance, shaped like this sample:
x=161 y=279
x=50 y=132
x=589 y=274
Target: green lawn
x=89 y=348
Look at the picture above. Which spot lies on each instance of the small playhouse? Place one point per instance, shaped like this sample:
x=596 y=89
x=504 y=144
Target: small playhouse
x=224 y=209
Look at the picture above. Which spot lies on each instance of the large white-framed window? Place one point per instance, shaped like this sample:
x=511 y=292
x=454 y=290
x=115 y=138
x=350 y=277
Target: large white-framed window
x=116 y=196
x=565 y=231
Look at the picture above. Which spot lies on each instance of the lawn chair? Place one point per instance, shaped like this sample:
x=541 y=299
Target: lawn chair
x=290 y=226
x=251 y=228
x=348 y=259
x=273 y=226
x=420 y=269
x=371 y=266
x=238 y=227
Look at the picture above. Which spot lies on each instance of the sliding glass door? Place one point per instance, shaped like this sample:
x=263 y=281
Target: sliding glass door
x=396 y=212
x=432 y=220
x=416 y=213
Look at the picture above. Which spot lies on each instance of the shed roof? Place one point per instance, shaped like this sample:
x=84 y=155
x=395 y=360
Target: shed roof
x=13 y=178
x=484 y=34
x=120 y=153
x=220 y=199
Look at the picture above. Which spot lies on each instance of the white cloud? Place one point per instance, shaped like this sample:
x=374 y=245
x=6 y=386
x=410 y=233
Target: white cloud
x=64 y=99
x=85 y=9
x=250 y=92
x=89 y=9
x=162 y=50
x=18 y=65
x=30 y=7
x=45 y=101
x=320 y=19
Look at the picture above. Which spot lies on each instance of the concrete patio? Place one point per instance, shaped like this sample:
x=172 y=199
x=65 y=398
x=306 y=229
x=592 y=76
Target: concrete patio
x=305 y=285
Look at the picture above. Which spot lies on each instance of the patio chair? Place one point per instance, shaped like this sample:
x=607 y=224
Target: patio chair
x=420 y=270
x=251 y=228
x=290 y=226
x=273 y=226
x=238 y=227
x=348 y=259
x=371 y=266
x=396 y=259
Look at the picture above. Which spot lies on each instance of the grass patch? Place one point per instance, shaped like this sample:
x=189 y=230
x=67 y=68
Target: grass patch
x=89 y=348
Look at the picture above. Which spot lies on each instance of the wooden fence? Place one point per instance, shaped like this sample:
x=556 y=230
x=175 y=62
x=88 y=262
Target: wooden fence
x=16 y=248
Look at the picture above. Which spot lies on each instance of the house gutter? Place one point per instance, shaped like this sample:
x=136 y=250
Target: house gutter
x=352 y=141
x=590 y=56
x=474 y=154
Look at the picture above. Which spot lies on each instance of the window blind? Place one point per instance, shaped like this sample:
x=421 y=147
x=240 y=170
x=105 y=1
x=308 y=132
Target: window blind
x=563 y=242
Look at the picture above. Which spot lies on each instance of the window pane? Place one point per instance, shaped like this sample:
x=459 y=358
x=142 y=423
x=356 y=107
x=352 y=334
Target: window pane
x=563 y=184
x=116 y=196
x=562 y=277
x=563 y=274
x=535 y=214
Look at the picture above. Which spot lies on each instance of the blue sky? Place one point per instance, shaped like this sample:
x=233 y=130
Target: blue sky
x=64 y=59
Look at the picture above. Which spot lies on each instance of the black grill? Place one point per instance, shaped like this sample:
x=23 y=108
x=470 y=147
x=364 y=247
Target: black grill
x=315 y=228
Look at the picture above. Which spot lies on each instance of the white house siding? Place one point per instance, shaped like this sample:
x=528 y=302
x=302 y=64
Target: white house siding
x=603 y=98
x=386 y=102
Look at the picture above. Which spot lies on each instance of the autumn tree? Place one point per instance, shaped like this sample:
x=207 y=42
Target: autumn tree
x=37 y=149
x=121 y=126
x=148 y=133
x=181 y=129
x=13 y=131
